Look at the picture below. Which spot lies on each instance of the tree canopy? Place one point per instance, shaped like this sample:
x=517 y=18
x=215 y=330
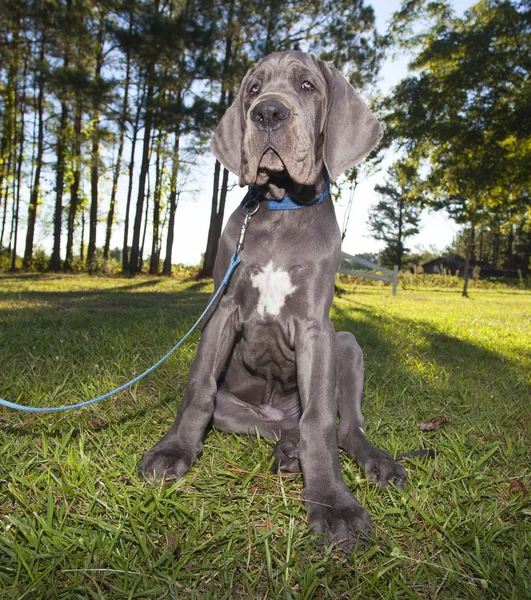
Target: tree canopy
x=98 y=98
x=463 y=114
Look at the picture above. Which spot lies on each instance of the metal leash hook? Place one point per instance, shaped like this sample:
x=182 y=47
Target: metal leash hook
x=250 y=208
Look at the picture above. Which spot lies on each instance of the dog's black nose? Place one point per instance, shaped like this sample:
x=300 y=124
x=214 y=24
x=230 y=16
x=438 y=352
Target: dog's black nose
x=270 y=114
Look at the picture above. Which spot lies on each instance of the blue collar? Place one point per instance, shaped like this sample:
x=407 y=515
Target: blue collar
x=287 y=203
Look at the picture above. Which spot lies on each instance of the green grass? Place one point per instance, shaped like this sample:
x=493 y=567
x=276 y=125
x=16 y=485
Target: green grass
x=77 y=522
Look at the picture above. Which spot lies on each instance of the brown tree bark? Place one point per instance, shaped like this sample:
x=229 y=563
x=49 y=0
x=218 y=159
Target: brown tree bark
x=55 y=261
x=36 y=189
x=155 y=252
x=74 y=186
x=217 y=210
x=131 y=171
x=20 y=160
x=135 y=259
x=173 y=201
x=122 y=129
x=95 y=151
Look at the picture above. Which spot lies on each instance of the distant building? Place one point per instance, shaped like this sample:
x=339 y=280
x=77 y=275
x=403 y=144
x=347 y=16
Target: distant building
x=456 y=264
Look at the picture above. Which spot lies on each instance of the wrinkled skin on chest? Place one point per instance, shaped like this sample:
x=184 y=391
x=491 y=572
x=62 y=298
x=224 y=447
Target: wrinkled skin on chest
x=274 y=292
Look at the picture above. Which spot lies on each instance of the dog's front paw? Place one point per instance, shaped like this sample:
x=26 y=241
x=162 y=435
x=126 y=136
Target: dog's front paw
x=382 y=469
x=342 y=522
x=164 y=463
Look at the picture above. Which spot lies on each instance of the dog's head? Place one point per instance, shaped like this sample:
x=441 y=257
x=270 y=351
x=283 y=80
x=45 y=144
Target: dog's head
x=293 y=115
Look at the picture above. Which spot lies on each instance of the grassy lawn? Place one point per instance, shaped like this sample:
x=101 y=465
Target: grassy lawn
x=77 y=522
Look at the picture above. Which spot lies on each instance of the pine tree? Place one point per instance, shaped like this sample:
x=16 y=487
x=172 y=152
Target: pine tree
x=395 y=218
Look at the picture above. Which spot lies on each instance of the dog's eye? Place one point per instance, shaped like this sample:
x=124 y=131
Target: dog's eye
x=307 y=86
x=254 y=89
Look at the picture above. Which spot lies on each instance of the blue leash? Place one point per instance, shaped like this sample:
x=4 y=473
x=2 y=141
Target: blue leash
x=250 y=207
x=234 y=262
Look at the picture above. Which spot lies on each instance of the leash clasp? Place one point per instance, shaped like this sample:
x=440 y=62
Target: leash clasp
x=250 y=208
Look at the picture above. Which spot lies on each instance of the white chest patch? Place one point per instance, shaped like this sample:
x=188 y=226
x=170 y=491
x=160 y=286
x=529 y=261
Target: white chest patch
x=274 y=286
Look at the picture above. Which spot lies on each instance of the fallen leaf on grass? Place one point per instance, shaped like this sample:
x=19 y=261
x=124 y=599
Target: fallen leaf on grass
x=517 y=487
x=172 y=544
x=435 y=423
x=23 y=423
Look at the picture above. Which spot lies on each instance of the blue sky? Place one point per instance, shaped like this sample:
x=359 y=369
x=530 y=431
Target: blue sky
x=193 y=212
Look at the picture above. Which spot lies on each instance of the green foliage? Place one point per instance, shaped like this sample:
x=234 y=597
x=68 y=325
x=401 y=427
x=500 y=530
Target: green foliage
x=508 y=247
x=465 y=115
x=77 y=522
x=87 y=75
x=395 y=218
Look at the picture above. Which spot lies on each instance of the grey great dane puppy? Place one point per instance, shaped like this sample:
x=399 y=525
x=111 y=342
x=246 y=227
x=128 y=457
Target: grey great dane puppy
x=269 y=360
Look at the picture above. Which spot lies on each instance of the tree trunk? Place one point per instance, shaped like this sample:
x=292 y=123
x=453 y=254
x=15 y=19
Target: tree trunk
x=141 y=252
x=216 y=222
x=3 y=175
x=131 y=169
x=400 y=246
x=82 y=242
x=116 y=176
x=510 y=248
x=9 y=115
x=55 y=261
x=19 y=168
x=95 y=153
x=74 y=186
x=210 y=252
x=155 y=258
x=173 y=200
x=35 y=192
x=134 y=260
x=216 y=213
x=469 y=246
x=4 y=220
x=94 y=177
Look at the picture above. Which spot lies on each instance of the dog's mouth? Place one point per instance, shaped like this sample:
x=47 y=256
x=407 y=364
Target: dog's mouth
x=273 y=175
x=272 y=171
x=270 y=163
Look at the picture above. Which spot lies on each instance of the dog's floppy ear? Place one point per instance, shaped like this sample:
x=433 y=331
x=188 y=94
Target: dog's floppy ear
x=351 y=131
x=226 y=143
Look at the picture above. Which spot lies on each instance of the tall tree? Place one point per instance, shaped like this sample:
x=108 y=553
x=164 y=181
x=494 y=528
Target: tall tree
x=122 y=128
x=75 y=177
x=155 y=237
x=395 y=218
x=35 y=194
x=21 y=143
x=100 y=87
x=464 y=114
x=55 y=262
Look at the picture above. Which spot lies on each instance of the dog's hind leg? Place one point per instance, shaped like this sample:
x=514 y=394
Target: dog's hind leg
x=378 y=464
